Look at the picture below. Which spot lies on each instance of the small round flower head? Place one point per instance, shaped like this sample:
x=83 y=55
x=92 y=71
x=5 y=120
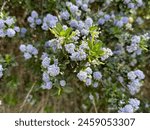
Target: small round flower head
x=38 y=21
x=27 y=55
x=30 y=19
x=125 y=20
x=78 y=3
x=82 y=75
x=134 y=86
x=2 y=33
x=2 y=23
x=88 y=22
x=85 y=32
x=134 y=103
x=53 y=70
x=80 y=25
x=10 y=32
x=88 y=70
x=131 y=75
x=84 y=7
x=119 y=24
x=46 y=77
x=65 y=27
x=131 y=5
x=78 y=56
x=97 y=75
x=47 y=85
x=101 y=21
x=46 y=62
x=29 y=48
x=70 y=48
x=73 y=9
x=34 y=51
x=62 y=83
x=136 y=39
x=23 y=30
x=49 y=21
x=9 y=21
x=107 y=53
x=127 y=109
x=22 y=48
x=34 y=14
x=17 y=29
x=73 y=23
x=107 y=17
x=95 y=84
x=45 y=26
x=139 y=74
x=140 y=3
x=88 y=82
x=65 y=15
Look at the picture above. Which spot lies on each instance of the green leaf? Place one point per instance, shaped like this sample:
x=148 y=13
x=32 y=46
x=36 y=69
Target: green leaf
x=68 y=90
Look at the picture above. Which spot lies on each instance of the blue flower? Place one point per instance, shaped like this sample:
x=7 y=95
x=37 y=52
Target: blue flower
x=53 y=70
x=88 y=22
x=10 y=32
x=62 y=83
x=65 y=15
x=2 y=23
x=34 y=14
x=70 y=48
x=101 y=21
x=23 y=48
x=73 y=23
x=139 y=74
x=46 y=62
x=131 y=5
x=88 y=82
x=47 y=85
x=27 y=55
x=97 y=75
x=82 y=76
x=126 y=109
x=46 y=77
x=134 y=103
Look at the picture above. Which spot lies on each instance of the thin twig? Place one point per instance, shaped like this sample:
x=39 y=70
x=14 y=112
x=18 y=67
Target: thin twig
x=95 y=108
x=26 y=98
x=2 y=8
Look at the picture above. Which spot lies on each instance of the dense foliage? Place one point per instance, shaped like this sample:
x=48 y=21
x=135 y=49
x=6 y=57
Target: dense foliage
x=74 y=56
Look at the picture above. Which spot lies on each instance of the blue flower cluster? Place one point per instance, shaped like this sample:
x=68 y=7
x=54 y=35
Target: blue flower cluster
x=131 y=107
x=133 y=4
x=49 y=21
x=1 y=70
x=7 y=27
x=135 y=46
x=55 y=44
x=107 y=53
x=118 y=21
x=34 y=19
x=50 y=71
x=28 y=51
x=135 y=78
x=86 y=77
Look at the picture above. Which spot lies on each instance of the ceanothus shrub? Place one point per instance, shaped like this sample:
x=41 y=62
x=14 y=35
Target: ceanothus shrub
x=89 y=44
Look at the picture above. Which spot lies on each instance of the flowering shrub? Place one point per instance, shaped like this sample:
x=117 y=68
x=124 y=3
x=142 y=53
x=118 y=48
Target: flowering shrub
x=90 y=46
